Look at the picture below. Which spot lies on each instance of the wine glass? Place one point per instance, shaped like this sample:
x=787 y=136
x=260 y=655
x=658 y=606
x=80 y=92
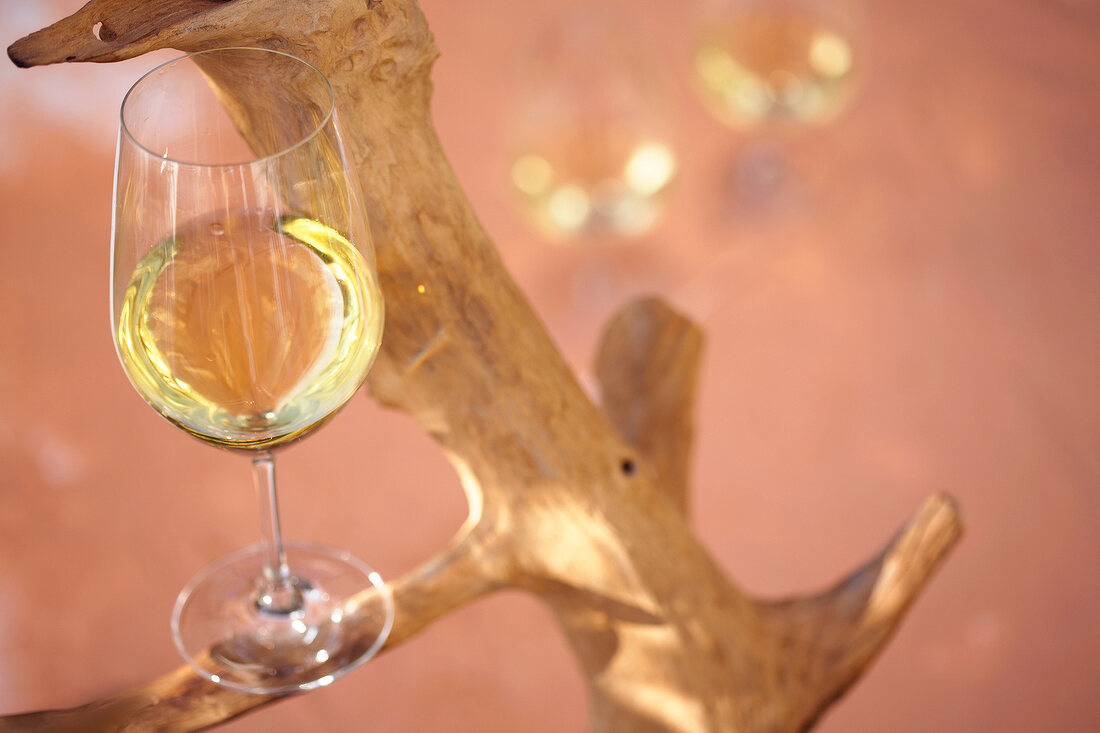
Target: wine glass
x=591 y=146
x=246 y=311
x=592 y=156
x=771 y=69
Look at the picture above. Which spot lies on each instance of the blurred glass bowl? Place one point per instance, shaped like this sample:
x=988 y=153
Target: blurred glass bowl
x=591 y=152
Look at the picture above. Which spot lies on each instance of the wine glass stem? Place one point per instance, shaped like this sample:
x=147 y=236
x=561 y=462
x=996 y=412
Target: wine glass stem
x=278 y=592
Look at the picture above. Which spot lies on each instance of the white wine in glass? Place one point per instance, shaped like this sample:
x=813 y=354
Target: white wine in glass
x=249 y=328
x=247 y=312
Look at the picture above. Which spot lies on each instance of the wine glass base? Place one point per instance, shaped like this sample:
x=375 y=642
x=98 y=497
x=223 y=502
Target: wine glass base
x=345 y=615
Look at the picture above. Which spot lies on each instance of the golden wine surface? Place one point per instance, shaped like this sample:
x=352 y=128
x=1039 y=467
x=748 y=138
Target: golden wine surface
x=249 y=330
x=773 y=64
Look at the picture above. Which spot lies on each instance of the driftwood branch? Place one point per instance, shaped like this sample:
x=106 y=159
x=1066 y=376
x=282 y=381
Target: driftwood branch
x=648 y=368
x=586 y=508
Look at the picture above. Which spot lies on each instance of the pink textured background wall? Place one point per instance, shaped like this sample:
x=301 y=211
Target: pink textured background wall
x=922 y=316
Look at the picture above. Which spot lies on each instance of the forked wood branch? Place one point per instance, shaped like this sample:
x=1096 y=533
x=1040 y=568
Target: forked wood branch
x=584 y=508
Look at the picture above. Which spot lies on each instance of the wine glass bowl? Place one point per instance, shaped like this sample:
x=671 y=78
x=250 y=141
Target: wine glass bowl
x=245 y=301
x=790 y=62
x=590 y=141
x=247 y=312
x=771 y=70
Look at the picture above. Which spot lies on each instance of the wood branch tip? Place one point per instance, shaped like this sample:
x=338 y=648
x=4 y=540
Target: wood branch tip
x=948 y=507
x=940 y=515
x=114 y=30
x=652 y=307
x=883 y=588
x=639 y=327
x=16 y=58
x=909 y=561
x=62 y=43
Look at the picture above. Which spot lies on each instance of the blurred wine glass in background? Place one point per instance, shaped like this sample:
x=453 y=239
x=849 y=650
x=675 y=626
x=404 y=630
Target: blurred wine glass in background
x=591 y=143
x=770 y=69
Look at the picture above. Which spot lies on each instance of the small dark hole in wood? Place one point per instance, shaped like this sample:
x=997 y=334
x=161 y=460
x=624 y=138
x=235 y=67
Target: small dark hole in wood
x=628 y=467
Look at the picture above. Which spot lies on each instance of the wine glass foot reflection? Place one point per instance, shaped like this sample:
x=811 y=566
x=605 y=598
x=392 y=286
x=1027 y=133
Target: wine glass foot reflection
x=282 y=635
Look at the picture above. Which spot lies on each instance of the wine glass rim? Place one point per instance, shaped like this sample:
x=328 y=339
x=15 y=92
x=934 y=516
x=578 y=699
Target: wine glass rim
x=195 y=164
